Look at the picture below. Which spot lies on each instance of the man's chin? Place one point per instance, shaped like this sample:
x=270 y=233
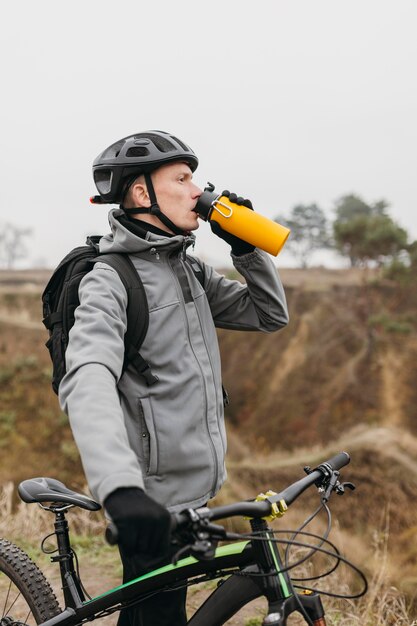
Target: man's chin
x=195 y=226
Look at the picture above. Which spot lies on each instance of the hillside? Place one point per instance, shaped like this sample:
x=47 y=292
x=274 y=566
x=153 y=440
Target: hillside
x=342 y=375
x=348 y=357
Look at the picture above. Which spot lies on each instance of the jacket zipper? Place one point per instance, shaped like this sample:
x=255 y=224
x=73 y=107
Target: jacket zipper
x=212 y=373
x=212 y=446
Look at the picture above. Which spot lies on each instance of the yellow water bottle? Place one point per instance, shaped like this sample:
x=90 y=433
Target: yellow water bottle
x=255 y=229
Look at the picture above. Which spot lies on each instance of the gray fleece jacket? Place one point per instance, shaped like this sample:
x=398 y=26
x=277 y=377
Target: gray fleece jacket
x=168 y=438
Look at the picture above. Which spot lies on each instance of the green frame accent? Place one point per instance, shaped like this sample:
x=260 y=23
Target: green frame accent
x=281 y=577
x=227 y=550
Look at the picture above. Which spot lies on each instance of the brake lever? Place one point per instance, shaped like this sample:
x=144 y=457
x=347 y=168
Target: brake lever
x=205 y=536
x=214 y=530
x=201 y=549
x=340 y=488
x=204 y=547
x=335 y=485
x=331 y=485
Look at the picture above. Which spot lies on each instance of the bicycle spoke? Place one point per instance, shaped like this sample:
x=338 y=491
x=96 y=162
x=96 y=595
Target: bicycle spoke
x=15 y=606
x=6 y=611
x=13 y=603
x=7 y=597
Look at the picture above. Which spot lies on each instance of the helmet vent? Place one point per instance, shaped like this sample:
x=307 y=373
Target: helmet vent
x=162 y=144
x=103 y=179
x=137 y=151
x=182 y=144
x=113 y=151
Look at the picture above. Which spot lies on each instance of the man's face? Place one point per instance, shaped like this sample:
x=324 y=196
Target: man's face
x=177 y=195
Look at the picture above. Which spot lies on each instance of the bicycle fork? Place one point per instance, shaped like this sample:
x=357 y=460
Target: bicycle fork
x=277 y=588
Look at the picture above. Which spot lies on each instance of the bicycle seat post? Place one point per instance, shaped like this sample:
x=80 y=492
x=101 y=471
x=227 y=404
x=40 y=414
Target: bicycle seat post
x=71 y=587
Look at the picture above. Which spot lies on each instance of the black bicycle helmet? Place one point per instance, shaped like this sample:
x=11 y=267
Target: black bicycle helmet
x=131 y=156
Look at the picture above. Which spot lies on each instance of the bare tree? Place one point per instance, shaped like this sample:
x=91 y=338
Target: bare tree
x=309 y=232
x=12 y=246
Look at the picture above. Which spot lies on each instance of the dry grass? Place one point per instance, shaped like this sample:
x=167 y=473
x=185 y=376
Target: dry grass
x=30 y=522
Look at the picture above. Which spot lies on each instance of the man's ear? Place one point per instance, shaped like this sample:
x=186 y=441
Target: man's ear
x=140 y=195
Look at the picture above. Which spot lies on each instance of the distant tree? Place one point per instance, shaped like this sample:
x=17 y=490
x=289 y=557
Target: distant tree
x=309 y=231
x=412 y=251
x=12 y=247
x=366 y=232
x=350 y=206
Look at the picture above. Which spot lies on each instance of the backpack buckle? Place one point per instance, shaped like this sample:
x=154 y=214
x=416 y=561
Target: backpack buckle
x=93 y=241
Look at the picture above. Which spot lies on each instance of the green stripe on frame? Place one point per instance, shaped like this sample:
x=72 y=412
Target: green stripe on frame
x=281 y=577
x=228 y=550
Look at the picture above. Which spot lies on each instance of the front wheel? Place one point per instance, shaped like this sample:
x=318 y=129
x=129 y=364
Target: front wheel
x=226 y=600
x=25 y=595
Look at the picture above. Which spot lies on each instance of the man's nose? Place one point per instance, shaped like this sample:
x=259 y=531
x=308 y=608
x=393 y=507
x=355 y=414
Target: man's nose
x=197 y=191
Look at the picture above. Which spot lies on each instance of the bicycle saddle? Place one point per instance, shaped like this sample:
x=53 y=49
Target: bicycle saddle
x=50 y=490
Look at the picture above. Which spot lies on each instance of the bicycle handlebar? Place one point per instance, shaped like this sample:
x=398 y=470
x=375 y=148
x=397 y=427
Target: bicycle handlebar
x=263 y=508
x=338 y=461
x=254 y=509
x=334 y=464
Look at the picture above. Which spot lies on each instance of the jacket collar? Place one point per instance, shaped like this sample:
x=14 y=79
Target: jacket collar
x=122 y=239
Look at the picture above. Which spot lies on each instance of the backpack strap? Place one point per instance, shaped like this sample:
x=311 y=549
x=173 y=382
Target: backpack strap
x=137 y=312
x=197 y=269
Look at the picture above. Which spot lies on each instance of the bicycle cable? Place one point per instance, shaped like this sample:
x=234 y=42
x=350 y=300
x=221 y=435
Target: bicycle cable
x=306 y=523
x=77 y=567
x=297 y=532
x=333 y=553
x=44 y=550
x=77 y=564
x=337 y=555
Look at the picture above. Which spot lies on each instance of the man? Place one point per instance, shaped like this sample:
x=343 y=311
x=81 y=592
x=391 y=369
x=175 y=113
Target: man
x=149 y=448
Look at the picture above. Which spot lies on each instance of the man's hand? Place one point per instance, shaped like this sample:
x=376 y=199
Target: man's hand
x=238 y=199
x=239 y=247
x=142 y=523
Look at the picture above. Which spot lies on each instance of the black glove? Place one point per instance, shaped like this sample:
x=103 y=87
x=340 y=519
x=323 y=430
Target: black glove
x=239 y=247
x=142 y=523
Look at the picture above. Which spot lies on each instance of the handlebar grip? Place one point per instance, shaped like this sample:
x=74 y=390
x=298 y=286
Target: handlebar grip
x=339 y=460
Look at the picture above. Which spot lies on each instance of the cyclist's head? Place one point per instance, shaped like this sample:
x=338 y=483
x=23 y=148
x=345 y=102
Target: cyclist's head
x=177 y=197
x=122 y=162
x=120 y=165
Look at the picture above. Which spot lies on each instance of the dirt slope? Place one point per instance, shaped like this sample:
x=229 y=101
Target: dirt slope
x=341 y=376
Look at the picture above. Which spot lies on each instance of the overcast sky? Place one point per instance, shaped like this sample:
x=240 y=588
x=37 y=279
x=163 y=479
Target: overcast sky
x=284 y=102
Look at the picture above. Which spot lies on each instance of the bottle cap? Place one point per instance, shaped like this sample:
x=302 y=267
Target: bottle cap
x=204 y=204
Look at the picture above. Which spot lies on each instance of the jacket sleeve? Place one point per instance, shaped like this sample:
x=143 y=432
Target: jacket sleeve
x=259 y=304
x=88 y=392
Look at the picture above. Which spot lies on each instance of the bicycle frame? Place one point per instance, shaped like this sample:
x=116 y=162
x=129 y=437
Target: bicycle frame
x=251 y=559
x=253 y=568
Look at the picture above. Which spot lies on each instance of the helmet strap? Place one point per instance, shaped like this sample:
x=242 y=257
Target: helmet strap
x=154 y=209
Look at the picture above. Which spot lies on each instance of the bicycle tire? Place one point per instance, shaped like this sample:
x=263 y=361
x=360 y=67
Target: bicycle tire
x=225 y=601
x=26 y=597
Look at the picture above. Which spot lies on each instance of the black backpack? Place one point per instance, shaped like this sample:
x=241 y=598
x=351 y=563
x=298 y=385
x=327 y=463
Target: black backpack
x=60 y=299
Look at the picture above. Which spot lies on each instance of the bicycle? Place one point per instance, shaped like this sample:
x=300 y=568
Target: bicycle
x=254 y=566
